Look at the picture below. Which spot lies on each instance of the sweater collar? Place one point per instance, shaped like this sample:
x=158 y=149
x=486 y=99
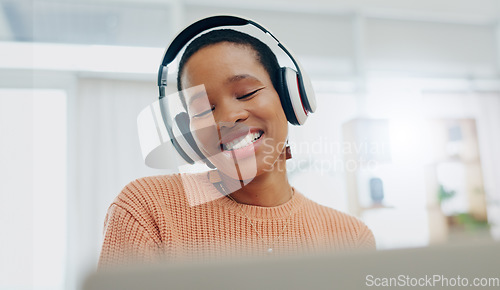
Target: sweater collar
x=210 y=193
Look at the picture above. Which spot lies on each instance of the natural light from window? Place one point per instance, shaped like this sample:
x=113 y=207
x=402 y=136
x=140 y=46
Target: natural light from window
x=33 y=193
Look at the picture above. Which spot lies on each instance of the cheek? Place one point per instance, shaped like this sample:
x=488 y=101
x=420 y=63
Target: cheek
x=273 y=111
x=205 y=135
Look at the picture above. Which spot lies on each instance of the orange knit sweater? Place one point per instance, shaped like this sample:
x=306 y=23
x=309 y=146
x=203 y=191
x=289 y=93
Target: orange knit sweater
x=153 y=218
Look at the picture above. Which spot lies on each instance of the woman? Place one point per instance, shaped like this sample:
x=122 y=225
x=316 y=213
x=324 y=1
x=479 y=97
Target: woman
x=257 y=211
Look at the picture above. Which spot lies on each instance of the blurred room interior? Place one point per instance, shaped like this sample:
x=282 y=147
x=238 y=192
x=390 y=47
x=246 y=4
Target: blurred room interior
x=404 y=136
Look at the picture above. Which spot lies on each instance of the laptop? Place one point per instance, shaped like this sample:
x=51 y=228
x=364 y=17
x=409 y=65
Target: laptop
x=452 y=266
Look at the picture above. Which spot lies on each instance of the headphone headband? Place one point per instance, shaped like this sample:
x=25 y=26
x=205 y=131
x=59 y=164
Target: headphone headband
x=218 y=21
x=196 y=28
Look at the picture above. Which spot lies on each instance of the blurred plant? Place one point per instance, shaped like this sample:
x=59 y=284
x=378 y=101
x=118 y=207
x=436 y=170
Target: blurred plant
x=462 y=221
x=470 y=223
x=444 y=194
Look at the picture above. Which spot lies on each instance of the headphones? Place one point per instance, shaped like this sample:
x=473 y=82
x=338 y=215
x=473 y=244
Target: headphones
x=295 y=89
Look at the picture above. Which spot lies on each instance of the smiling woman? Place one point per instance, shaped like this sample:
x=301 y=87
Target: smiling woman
x=236 y=99
x=243 y=101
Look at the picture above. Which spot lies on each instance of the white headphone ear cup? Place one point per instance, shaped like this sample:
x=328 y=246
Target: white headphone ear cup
x=292 y=86
x=183 y=142
x=309 y=93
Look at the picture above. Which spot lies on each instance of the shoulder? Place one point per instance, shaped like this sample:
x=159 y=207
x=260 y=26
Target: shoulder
x=341 y=223
x=148 y=190
x=161 y=193
x=146 y=197
x=338 y=219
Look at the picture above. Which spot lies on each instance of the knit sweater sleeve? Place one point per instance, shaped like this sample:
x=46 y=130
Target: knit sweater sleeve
x=366 y=240
x=126 y=240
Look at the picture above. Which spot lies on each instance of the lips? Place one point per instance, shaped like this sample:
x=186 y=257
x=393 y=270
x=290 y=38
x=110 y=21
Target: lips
x=240 y=135
x=243 y=141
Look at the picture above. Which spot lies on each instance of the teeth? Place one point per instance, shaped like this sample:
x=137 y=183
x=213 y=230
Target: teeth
x=243 y=141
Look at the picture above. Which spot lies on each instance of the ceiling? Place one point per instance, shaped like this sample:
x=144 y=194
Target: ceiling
x=152 y=22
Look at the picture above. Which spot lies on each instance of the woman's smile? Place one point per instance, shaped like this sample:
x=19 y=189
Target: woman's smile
x=243 y=146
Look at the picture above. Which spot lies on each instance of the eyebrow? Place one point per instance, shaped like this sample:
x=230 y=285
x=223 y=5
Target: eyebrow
x=239 y=77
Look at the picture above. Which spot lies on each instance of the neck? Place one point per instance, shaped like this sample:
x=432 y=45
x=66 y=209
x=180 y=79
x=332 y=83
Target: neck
x=267 y=189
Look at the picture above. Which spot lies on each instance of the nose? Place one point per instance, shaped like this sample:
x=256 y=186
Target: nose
x=230 y=112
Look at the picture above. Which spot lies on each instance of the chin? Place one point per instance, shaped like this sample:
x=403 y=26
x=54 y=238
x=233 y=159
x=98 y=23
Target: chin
x=240 y=170
x=247 y=169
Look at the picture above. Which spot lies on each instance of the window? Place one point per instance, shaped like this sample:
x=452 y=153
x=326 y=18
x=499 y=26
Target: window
x=33 y=188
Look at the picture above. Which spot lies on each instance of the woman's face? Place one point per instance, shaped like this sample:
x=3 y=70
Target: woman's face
x=235 y=113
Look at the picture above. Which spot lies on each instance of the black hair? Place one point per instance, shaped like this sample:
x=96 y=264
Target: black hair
x=263 y=53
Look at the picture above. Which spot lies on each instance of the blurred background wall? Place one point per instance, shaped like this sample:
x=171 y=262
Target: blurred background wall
x=406 y=135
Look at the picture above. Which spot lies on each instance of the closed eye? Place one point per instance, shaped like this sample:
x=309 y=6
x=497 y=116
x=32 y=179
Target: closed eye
x=249 y=94
x=204 y=113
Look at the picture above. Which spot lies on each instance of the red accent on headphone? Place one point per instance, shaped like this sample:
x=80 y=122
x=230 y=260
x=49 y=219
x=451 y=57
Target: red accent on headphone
x=302 y=103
